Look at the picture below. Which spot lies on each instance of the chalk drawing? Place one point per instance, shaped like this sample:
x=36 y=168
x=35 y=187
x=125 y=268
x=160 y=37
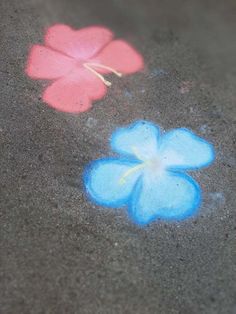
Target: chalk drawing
x=76 y=61
x=149 y=175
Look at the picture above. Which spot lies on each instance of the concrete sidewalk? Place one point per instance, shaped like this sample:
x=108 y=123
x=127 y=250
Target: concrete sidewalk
x=61 y=254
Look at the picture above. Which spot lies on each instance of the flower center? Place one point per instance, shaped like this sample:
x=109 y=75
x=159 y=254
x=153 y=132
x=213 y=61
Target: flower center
x=154 y=165
x=91 y=66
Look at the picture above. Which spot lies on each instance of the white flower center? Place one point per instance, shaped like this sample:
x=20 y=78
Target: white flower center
x=153 y=166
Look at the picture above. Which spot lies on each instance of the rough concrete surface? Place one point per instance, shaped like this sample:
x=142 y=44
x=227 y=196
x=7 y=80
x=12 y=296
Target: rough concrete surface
x=59 y=252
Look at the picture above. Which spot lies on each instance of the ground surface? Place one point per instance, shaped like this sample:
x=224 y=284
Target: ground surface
x=60 y=253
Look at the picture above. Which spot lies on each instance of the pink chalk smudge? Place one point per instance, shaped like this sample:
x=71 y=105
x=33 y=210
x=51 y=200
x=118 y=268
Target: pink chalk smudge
x=186 y=86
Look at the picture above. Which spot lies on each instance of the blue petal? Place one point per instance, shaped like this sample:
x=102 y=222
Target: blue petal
x=182 y=149
x=170 y=196
x=140 y=139
x=104 y=184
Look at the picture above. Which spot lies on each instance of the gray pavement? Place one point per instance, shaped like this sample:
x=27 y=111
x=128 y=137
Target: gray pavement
x=58 y=252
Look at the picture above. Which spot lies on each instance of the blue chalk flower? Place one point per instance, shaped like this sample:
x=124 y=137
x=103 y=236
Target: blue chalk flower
x=149 y=176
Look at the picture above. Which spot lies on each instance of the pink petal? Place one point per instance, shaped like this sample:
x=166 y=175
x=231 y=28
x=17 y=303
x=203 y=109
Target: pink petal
x=75 y=92
x=44 y=63
x=120 y=56
x=80 y=44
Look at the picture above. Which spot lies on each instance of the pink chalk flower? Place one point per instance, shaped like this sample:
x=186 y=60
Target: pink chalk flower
x=76 y=61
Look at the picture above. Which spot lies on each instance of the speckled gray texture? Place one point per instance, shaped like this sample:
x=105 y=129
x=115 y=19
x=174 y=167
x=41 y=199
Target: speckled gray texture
x=61 y=254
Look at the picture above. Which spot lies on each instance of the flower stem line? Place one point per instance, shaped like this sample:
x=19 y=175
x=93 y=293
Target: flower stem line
x=105 y=67
x=122 y=180
x=89 y=66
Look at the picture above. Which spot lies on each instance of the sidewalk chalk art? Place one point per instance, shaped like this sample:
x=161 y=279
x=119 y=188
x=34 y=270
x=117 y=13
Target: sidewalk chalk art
x=76 y=62
x=149 y=175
